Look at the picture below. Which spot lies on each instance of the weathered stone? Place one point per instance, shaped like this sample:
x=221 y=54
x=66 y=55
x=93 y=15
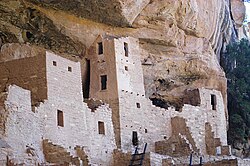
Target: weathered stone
x=238 y=11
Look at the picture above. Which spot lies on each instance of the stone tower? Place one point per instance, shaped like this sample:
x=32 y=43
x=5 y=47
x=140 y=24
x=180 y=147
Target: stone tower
x=115 y=67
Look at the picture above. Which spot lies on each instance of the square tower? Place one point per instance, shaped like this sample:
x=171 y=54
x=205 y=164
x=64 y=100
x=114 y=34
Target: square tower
x=115 y=66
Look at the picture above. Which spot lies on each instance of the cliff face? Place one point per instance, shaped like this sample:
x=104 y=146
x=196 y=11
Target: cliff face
x=180 y=40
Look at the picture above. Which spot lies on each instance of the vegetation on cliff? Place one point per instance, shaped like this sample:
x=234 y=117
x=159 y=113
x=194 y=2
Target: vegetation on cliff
x=237 y=68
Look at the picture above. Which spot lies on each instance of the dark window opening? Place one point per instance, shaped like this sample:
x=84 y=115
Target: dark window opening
x=29 y=35
x=126 y=68
x=60 y=118
x=138 y=105
x=100 y=48
x=213 y=102
x=126 y=49
x=86 y=84
x=146 y=130
x=54 y=63
x=134 y=138
x=101 y=128
x=69 y=68
x=103 y=82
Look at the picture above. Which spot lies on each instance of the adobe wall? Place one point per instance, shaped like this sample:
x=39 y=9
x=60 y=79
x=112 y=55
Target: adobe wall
x=103 y=64
x=28 y=73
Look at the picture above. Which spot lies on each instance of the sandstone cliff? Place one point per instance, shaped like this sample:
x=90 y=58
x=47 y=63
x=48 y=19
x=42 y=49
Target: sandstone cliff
x=180 y=40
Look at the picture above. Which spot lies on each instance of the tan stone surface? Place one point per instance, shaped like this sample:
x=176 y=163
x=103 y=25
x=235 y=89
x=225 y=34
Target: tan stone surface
x=28 y=73
x=182 y=37
x=238 y=11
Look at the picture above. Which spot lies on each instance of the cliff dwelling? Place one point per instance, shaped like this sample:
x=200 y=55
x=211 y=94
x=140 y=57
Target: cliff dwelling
x=123 y=83
x=45 y=94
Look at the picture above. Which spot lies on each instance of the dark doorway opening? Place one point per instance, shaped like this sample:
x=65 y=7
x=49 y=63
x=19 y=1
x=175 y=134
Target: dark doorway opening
x=135 y=138
x=87 y=81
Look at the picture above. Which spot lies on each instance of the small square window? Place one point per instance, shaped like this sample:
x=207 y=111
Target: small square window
x=101 y=128
x=60 y=118
x=100 y=48
x=54 y=63
x=126 y=68
x=138 y=105
x=69 y=69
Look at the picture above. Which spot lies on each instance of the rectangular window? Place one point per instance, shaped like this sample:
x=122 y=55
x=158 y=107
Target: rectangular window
x=103 y=82
x=138 y=105
x=100 y=48
x=213 y=102
x=126 y=68
x=126 y=49
x=60 y=118
x=69 y=68
x=101 y=128
x=54 y=63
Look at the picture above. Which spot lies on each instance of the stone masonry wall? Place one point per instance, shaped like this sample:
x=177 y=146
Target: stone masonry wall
x=80 y=124
x=28 y=73
x=23 y=127
x=128 y=68
x=151 y=123
x=157 y=121
x=26 y=129
x=65 y=94
x=63 y=85
x=197 y=116
x=103 y=64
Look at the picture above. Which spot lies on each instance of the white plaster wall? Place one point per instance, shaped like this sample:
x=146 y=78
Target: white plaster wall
x=74 y=131
x=217 y=118
x=101 y=146
x=64 y=94
x=23 y=126
x=63 y=85
x=131 y=80
x=80 y=124
x=156 y=120
x=196 y=117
